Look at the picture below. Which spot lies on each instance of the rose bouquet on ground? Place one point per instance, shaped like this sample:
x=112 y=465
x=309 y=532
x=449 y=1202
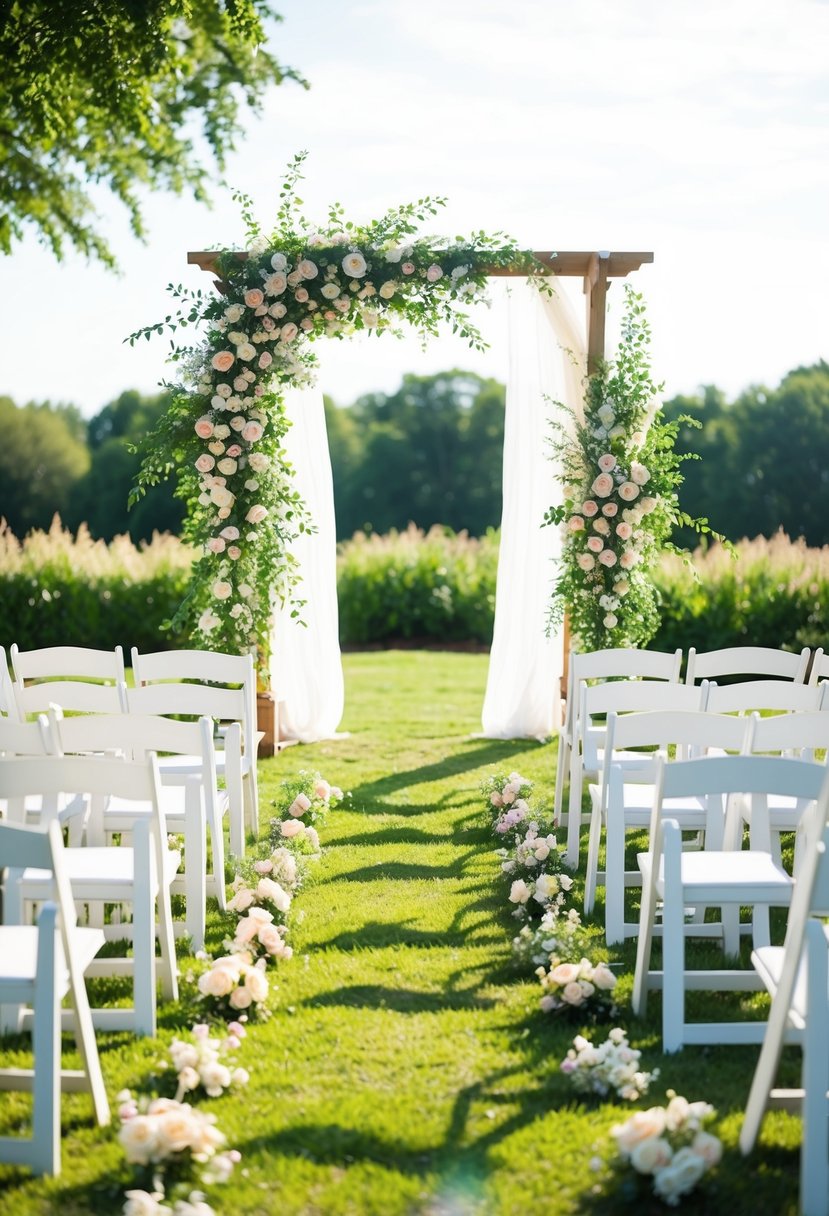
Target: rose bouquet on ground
x=556 y=935
x=612 y=1067
x=583 y=989
x=303 y=803
x=177 y=1148
x=258 y=935
x=203 y=1061
x=544 y=893
x=670 y=1146
x=234 y=984
x=507 y=797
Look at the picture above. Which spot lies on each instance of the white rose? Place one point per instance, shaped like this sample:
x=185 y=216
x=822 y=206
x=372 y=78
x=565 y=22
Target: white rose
x=640 y=1126
x=139 y=1139
x=680 y=1177
x=354 y=265
x=519 y=892
x=228 y=466
x=651 y=1155
x=256 y=983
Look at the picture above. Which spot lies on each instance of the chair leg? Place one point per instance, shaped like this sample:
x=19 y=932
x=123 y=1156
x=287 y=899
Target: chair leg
x=593 y=840
x=561 y=766
x=614 y=877
x=46 y=1049
x=571 y=857
x=145 y=883
x=814 y=1153
x=673 y=943
x=250 y=787
x=195 y=862
x=644 y=945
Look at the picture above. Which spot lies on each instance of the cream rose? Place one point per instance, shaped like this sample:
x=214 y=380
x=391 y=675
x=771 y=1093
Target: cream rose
x=203 y=427
x=587 y=561
x=519 y=892
x=307 y=269
x=222 y=590
x=602 y=487
x=354 y=265
x=227 y=466
x=639 y=474
x=291 y=827
x=628 y=490
x=223 y=360
x=651 y=1155
x=640 y=1126
x=221 y=497
x=607 y=557
x=254 y=297
x=607 y=462
x=289 y=332
x=205 y=463
x=595 y=544
x=575 y=523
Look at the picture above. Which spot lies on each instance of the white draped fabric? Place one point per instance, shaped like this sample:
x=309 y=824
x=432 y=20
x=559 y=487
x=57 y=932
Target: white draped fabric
x=306 y=667
x=547 y=363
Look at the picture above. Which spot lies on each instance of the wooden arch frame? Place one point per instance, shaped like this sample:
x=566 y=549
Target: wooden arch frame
x=594 y=269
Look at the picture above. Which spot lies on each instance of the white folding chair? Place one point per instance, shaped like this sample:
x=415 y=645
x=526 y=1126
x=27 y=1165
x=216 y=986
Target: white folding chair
x=623 y=798
x=168 y=669
x=597 y=665
x=74 y=677
x=19 y=738
x=139 y=875
x=191 y=802
x=819 y=669
x=39 y=966
x=746 y=661
x=598 y=700
x=796 y=975
x=714 y=877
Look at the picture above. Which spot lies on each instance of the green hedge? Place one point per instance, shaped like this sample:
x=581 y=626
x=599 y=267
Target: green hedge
x=436 y=587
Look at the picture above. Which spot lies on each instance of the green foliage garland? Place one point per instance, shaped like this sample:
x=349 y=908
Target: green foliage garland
x=223 y=432
x=620 y=472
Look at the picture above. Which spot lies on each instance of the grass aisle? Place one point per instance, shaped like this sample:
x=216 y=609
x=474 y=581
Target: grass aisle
x=407 y=1069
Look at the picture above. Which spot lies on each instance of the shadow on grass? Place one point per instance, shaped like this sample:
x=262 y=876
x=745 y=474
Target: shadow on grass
x=400 y=1000
x=373 y=935
x=481 y=752
x=403 y=870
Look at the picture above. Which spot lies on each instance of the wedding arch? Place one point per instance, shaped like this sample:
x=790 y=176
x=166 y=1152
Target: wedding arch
x=238 y=432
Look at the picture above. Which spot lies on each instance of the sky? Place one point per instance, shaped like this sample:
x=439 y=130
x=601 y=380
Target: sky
x=695 y=129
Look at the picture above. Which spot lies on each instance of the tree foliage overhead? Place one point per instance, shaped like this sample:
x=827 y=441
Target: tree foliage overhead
x=120 y=93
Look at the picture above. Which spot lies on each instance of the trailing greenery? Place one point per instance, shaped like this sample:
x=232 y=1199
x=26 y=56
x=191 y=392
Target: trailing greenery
x=620 y=473
x=407 y=1068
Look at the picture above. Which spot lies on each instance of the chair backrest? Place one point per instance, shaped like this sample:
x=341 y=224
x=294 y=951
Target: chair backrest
x=690 y=731
x=613 y=664
x=94 y=776
x=69 y=676
x=716 y=778
x=211 y=668
x=42 y=849
x=747 y=661
x=797 y=734
x=819 y=669
x=783 y=696
x=25 y=738
x=630 y=696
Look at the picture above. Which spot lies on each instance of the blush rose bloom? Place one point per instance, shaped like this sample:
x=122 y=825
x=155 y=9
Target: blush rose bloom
x=252 y=432
x=519 y=892
x=307 y=269
x=602 y=487
x=254 y=297
x=289 y=332
x=203 y=427
x=607 y=557
x=216 y=544
x=223 y=360
x=624 y=531
x=628 y=490
x=222 y=590
x=246 y=351
x=230 y=532
x=638 y=473
x=354 y=265
x=607 y=462
x=256 y=514
x=628 y=560
x=222 y=498
x=609 y=509
x=576 y=523
x=587 y=561
x=291 y=827
x=595 y=544
x=434 y=273
x=205 y=463
x=589 y=508
x=642 y=1125
x=599 y=525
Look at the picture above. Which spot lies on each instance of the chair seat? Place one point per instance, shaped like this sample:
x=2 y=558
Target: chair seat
x=768 y=962
x=184 y=765
x=749 y=871
x=93 y=870
x=18 y=953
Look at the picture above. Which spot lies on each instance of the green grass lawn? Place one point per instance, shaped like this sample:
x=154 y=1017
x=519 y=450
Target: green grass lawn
x=407 y=1069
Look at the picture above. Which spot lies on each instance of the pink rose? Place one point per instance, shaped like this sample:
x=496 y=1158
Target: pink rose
x=223 y=360
x=572 y=994
x=603 y=485
x=434 y=273
x=252 y=432
x=240 y=384
x=254 y=297
x=609 y=509
x=216 y=544
x=234 y=450
x=496 y=799
x=203 y=427
x=587 y=561
x=307 y=269
x=607 y=462
x=205 y=463
x=628 y=490
x=639 y=474
x=595 y=544
x=589 y=508
x=628 y=560
x=230 y=533
x=300 y=295
x=291 y=827
x=624 y=531
x=576 y=523
x=289 y=332
x=607 y=558
x=256 y=514
x=234 y=552
x=322 y=789
x=265 y=359
x=222 y=590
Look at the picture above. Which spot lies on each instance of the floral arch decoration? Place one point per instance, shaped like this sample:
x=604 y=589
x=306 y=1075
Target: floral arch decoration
x=222 y=434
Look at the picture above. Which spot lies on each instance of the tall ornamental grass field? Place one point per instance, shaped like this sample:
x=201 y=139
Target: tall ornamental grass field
x=433 y=588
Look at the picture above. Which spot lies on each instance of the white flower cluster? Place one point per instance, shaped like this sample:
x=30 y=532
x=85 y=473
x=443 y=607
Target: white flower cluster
x=568 y=986
x=548 y=889
x=670 y=1145
x=166 y=1129
x=149 y=1203
x=556 y=935
x=234 y=979
x=200 y=1062
x=612 y=1067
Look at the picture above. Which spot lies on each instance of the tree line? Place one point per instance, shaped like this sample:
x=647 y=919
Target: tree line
x=431 y=453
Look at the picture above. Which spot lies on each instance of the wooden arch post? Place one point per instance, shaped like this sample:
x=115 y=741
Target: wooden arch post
x=595 y=269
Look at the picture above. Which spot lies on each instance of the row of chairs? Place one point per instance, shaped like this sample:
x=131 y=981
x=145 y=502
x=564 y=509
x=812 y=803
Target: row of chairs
x=779 y=681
